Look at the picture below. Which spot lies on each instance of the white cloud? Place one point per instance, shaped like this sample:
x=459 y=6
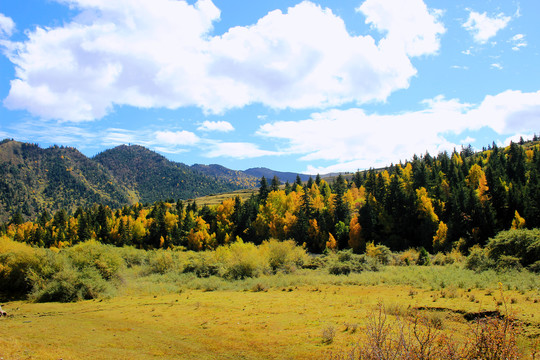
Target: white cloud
x=468 y=140
x=223 y=126
x=182 y=138
x=484 y=27
x=408 y=23
x=238 y=150
x=496 y=66
x=160 y=54
x=7 y=26
x=518 y=41
x=354 y=138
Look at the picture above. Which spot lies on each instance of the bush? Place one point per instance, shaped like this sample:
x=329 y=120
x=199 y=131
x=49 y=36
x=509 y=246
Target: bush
x=132 y=256
x=202 y=264
x=416 y=336
x=104 y=258
x=423 y=257
x=339 y=268
x=408 y=257
x=478 y=259
x=345 y=261
x=506 y=262
x=534 y=267
x=71 y=284
x=522 y=244
x=163 y=261
x=380 y=252
x=283 y=256
x=17 y=262
x=241 y=260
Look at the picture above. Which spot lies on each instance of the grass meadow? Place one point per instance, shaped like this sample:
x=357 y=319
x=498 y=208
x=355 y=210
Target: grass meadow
x=306 y=314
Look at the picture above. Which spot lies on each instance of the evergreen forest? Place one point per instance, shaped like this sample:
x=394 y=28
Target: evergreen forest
x=438 y=203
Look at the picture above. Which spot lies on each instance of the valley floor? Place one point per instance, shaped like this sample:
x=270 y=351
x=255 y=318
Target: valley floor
x=289 y=322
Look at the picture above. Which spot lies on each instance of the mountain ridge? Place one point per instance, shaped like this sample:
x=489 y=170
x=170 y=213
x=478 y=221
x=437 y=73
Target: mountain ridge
x=35 y=179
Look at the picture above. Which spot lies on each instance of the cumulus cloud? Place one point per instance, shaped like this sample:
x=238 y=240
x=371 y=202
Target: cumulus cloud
x=237 y=150
x=408 y=23
x=7 y=26
x=161 y=54
x=484 y=27
x=223 y=126
x=186 y=138
x=354 y=138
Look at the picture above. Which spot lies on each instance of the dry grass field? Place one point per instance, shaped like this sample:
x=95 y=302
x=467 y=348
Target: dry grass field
x=219 y=198
x=282 y=322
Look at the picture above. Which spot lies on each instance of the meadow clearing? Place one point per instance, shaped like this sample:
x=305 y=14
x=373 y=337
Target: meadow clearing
x=308 y=314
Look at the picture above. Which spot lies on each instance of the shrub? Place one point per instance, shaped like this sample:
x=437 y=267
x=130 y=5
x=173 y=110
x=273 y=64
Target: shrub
x=478 y=259
x=17 y=262
x=414 y=336
x=283 y=256
x=71 y=284
x=201 y=264
x=423 y=257
x=163 y=261
x=522 y=244
x=408 y=257
x=505 y=262
x=132 y=256
x=328 y=335
x=339 y=268
x=535 y=267
x=241 y=260
x=345 y=261
x=380 y=252
x=104 y=258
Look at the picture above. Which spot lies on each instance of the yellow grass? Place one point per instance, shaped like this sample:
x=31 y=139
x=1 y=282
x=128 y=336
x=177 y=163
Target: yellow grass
x=219 y=198
x=280 y=323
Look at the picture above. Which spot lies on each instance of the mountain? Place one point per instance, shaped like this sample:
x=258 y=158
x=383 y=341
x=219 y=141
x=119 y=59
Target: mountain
x=269 y=174
x=236 y=177
x=34 y=179
x=152 y=177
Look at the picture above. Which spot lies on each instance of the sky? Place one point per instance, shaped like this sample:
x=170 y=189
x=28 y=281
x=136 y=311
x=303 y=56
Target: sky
x=302 y=86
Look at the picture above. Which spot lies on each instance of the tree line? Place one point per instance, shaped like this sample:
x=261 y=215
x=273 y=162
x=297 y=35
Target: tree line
x=441 y=202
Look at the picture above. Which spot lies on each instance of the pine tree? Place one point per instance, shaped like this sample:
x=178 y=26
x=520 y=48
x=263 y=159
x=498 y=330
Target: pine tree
x=263 y=190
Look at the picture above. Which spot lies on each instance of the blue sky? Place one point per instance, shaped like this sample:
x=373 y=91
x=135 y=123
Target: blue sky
x=312 y=86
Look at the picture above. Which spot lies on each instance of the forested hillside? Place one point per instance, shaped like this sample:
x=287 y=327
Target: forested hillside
x=154 y=178
x=33 y=179
x=235 y=177
x=268 y=173
x=449 y=201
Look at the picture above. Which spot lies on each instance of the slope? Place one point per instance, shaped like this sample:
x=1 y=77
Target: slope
x=153 y=177
x=33 y=179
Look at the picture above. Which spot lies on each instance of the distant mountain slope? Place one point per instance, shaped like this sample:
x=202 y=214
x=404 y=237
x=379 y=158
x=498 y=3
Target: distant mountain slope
x=153 y=177
x=33 y=179
x=269 y=174
x=235 y=177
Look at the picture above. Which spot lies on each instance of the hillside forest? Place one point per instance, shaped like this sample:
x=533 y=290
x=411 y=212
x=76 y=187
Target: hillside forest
x=438 y=203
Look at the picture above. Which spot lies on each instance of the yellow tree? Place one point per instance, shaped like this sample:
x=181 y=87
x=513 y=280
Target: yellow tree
x=224 y=223
x=439 y=240
x=518 y=222
x=331 y=244
x=356 y=240
x=199 y=238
